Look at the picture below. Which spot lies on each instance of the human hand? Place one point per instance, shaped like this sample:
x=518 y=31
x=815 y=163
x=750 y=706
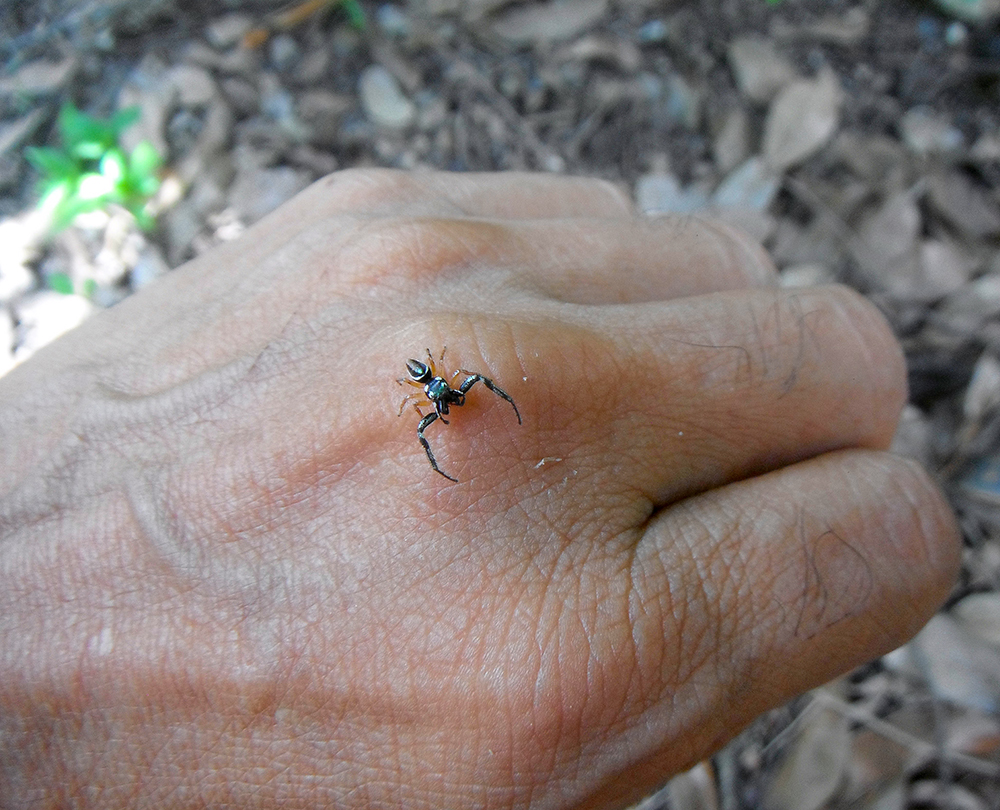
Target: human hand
x=231 y=578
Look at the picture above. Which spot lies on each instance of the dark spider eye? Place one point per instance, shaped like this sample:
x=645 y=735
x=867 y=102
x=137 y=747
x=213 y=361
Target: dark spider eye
x=417 y=370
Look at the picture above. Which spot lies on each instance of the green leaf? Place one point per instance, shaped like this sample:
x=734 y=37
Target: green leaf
x=83 y=135
x=113 y=168
x=144 y=160
x=143 y=218
x=76 y=127
x=355 y=14
x=91 y=170
x=60 y=282
x=53 y=163
x=123 y=119
x=94 y=187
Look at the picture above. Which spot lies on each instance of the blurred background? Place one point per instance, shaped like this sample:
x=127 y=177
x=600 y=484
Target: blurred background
x=858 y=140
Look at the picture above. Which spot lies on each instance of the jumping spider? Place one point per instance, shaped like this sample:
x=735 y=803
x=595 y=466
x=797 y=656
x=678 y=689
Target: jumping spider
x=437 y=391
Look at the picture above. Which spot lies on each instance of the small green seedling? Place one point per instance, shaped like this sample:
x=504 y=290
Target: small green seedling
x=90 y=170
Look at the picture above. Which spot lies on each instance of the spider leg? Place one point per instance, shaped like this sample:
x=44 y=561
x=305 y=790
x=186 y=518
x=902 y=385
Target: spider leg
x=416 y=405
x=434 y=363
x=407 y=398
x=424 y=424
x=496 y=389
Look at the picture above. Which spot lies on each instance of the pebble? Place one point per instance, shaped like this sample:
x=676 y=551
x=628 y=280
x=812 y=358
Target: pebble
x=974 y=11
x=322 y=111
x=926 y=132
x=956 y=34
x=242 y=94
x=194 y=85
x=225 y=32
x=383 y=100
x=653 y=31
x=284 y=53
x=256 y=193
x=393 y=21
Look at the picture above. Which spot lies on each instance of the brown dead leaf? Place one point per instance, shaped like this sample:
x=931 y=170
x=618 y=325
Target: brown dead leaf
x=876 y=763
x=975 y=734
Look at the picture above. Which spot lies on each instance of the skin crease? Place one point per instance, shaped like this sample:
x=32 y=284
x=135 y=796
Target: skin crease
x=230 y=578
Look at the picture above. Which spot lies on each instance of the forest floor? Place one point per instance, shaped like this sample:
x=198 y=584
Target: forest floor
x=859 y=140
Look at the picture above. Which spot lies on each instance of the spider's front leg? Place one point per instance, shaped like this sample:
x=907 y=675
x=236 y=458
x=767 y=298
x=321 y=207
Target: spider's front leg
x=496 y=389
x=424 y=424
x=408 y=397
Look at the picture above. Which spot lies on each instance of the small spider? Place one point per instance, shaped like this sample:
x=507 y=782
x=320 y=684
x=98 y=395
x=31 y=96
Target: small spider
x=436 y=391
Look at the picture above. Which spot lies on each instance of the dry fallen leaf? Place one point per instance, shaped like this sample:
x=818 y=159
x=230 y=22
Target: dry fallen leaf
x=39 y=78
x=759 y=69
x=801 y=120
x=889 y=243
x=964 y=204
x=979 y=613
x=815 y=764
x=549 y=22
x=957 y=665
x=694 y=789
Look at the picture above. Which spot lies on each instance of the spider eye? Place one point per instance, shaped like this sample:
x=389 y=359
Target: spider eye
x=417 y=370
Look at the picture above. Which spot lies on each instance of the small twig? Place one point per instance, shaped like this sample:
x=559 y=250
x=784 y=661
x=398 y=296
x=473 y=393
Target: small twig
x=466 y=75
x=921 y=748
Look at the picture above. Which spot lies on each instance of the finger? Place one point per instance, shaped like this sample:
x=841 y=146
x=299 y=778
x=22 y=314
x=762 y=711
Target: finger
x=385 y=193
x=576 y=260
x=307 y=230
x=769 y=587
x=486 y=195
x=707 y=390
x=646 y=259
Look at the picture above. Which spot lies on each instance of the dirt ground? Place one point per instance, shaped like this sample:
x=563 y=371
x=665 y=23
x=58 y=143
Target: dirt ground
x=859 y=140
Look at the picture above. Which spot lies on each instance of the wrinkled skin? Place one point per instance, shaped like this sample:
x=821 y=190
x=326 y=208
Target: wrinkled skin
x=230 y=577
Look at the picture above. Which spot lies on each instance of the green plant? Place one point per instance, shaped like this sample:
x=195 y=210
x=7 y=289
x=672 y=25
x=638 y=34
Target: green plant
x=90 y=170
x=355 y=14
